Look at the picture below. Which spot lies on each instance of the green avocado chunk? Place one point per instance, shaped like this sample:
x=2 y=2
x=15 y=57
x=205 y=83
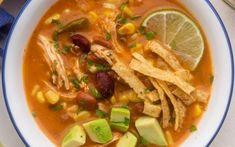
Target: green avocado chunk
x=120 y=118
x=75 y=137
x=119 y=126
x=127 y=140
x=150 y=130
x=98 y=130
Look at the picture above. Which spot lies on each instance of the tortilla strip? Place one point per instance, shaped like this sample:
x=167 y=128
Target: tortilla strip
x=173 y=101
x=165 y=107
x=201 y=95
x=147 y=69
x=184 y=74
x=151 y=109
x=182 y=112
x=133 y=81
x=157 y=48
x=185 y=98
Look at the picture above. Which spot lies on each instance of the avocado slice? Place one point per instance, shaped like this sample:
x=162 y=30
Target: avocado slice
x=98 y=130
x=120 y=118
x=75 y=137
x=150 y=130
x=127 y=140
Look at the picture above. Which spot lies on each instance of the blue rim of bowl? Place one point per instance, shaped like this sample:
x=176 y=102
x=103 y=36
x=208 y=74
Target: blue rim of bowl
x=16 y=21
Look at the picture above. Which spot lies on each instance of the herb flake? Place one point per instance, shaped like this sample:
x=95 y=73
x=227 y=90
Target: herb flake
x=108 y=36
x=193 y=128
x=100 y=113
x=150 y=35
x=57 y=107
x=94 y=92
x=76 y=83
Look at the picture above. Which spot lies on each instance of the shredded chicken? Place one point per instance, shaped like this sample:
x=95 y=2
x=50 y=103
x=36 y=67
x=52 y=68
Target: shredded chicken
x=103 y=53
x=108 y=25
x=55 y=62
x=67 y=96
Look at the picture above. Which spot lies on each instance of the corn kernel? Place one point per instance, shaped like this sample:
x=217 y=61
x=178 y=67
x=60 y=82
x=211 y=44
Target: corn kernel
x=83 y=115
x=53 y=17
x=93 y=17
x=123 y=99
x=52 y=97
x=138 y=48
x=127 y=11
x=40 y=98
x=197 y=110
x=113 y=100
x=127 y=29
x=169 y=138
x=35 y=89
x=108 y=12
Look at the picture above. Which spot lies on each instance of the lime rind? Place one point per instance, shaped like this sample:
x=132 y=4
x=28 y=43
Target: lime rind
x=180 y=33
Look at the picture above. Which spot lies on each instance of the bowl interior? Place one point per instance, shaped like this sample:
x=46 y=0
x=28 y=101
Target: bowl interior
x=221 y=57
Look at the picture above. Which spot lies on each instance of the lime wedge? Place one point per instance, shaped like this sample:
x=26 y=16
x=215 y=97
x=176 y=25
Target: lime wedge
x=178 y=32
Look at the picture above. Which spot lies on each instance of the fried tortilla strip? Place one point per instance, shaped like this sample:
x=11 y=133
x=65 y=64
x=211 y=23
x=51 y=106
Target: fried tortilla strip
x=184 y=74
x=165 y=107
x=185 y=98
x=201 y=95
x=133 y=81
x=173 y=101
x=151 y=109
x=164 y=53
x=182 y=112
x=141 y=65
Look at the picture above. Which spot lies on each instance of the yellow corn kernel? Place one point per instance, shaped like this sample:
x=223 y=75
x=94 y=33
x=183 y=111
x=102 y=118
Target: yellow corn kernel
x=83 y=115
x=53 y=17
x=132 y=96
x=138 y=48
x=197 y=110
x=127 y=11
x=93 y=17
x=169 y=138
x=108 y=12
x=52 y=97
x=123 y=99
x=127 y=29
x=73 y=109
x=40 y=98
x=35 y=90
x=113 y=100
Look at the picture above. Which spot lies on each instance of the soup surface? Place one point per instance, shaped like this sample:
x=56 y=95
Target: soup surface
x=119 y=66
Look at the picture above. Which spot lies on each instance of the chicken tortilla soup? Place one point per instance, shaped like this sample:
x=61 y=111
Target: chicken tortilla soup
x=122 y=73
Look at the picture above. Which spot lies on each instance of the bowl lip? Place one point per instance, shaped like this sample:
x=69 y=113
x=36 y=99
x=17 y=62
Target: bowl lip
x=16 y=22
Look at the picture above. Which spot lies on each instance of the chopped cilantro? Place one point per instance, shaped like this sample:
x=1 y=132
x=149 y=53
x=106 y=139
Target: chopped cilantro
x=150 y=35
x=133 y=45
x=135 y=17
x=123 y=5
x=193 y=128
x=34 y=114
x=57 y=107
x=147 y=90
x=65 y=50
x=94 y=92
x=93 y=67
x=100 y=113
x=55 y=38
x=84 y=79
x=142 y=30
x=76 y=83
x=108 y=36
x=57 y=23
x=212 y=79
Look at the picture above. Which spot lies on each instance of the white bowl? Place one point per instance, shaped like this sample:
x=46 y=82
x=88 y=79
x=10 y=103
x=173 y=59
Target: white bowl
x=24 y=26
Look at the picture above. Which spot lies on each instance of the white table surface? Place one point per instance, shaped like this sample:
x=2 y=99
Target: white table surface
x=225 y=137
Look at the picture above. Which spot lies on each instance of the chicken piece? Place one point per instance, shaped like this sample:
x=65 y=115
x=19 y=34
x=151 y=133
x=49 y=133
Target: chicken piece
x=55 y=62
